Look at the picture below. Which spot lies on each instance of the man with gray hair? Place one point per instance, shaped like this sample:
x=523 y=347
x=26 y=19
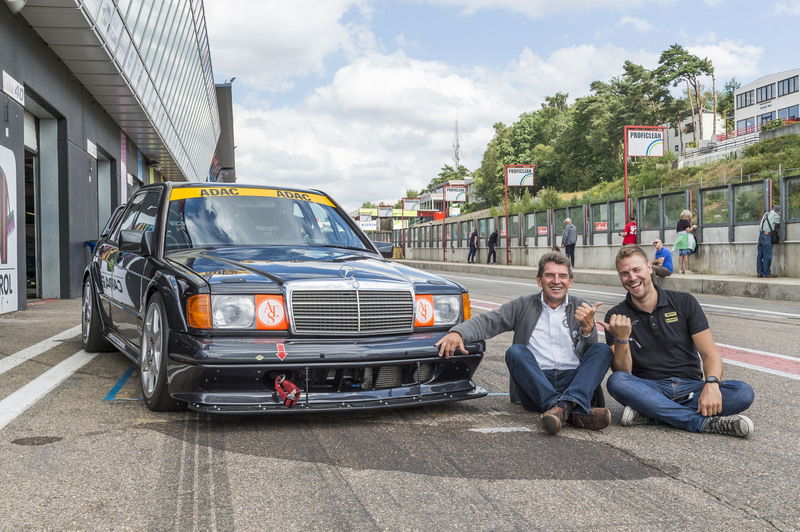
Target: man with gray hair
x=555 y=360
x=568 y=239
x=769 y=225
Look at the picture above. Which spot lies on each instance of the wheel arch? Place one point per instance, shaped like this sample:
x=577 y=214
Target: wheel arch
x=167 y=286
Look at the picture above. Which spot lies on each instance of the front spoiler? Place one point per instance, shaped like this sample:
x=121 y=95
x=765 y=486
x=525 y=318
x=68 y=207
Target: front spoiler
x=401 y=398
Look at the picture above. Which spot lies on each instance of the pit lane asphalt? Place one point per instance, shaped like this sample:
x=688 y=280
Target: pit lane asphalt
x=74 y=461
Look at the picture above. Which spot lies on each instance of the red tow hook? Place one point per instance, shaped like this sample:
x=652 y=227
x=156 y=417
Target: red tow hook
x=287 y=391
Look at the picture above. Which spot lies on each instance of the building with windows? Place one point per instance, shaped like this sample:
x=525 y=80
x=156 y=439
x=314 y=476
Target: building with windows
x=458 y=191
x=98 y=97
x=768 y=98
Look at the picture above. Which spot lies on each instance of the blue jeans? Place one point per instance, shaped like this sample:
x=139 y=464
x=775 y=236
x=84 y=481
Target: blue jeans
x=674 y=401
x=764 y=258
x=540 y=389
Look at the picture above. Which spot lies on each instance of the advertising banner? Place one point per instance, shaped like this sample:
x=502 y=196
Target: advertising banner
x=9 y=301
x=541 y=230
x=601 y=226
x=411 y=204
x=384 y=212
x=371 y=225
x=519 y=175
x=645 y=142
x=455 y=193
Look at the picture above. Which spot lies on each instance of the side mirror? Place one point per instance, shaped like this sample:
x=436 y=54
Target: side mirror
x=136 y=241
x=386 y=249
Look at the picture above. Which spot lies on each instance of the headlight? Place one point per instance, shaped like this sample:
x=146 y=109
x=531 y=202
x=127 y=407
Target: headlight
x=437 y=310
x=233 y=311
x=446 y=309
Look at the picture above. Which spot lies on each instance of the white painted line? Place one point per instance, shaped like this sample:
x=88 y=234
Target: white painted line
x=19 y=401
x=761 y=369
x=776 y=355
x=14 y=360
x=493 y=430
x=622 y=295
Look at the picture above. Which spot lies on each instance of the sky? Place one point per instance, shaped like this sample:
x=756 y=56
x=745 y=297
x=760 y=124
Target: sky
x=361 y=98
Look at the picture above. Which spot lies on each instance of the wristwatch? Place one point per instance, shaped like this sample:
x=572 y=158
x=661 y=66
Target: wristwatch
x=713 y=379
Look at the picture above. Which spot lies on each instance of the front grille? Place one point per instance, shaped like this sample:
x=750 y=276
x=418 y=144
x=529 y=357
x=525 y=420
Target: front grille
x=352 y=311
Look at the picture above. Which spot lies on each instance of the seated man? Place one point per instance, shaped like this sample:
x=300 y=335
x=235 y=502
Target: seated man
x=657 y=376
x=662 y=263
x=555 y=361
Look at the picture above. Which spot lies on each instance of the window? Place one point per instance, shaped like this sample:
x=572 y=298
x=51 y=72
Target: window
x=649 y=213
x=618 y=215
x=789 y=113
x=767 y=92
x=748 y=202
x=600 y=216
x=530 y=225
x=744 y=99
x=673 y=205
x=748 y=125
x=513 y=224
x=766 y=117
x=787 y=86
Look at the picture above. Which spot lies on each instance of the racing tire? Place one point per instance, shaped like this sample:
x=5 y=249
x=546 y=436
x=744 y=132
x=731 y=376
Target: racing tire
x=91 y=324
x=153 y=359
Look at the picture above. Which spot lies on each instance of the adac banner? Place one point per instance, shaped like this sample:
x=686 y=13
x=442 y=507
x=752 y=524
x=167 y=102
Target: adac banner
x=8 y=231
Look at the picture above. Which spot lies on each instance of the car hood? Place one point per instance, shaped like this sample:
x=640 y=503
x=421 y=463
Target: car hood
x=225 y=268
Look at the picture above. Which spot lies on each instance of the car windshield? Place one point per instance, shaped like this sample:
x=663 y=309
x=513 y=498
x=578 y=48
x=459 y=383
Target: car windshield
x=255 y=217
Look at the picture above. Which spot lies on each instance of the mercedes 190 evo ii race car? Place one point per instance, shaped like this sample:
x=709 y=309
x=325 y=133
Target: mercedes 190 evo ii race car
x=246 y=299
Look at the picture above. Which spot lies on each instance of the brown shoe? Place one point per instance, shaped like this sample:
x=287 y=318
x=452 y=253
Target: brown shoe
x=597 y=419
x=554 y=419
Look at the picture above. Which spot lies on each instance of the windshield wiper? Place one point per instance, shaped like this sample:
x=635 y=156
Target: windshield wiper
x=341 y=247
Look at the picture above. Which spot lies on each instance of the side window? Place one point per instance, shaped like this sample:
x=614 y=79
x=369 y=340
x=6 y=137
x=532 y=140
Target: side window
x=148 y=212
x=129 y=218
x=112 y=221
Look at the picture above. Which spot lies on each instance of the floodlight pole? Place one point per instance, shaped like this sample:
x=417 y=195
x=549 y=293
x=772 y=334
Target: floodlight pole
x=444 y=233
x=505 y=193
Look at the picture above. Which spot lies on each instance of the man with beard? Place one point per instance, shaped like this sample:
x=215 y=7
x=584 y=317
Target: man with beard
x=659 y=338
x=555 y=360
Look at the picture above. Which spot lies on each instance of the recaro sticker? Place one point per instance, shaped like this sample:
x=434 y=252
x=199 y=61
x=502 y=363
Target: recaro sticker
x=221 y=192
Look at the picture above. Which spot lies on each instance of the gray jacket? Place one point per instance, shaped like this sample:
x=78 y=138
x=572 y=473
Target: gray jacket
x=520 y=315
x=570 y=235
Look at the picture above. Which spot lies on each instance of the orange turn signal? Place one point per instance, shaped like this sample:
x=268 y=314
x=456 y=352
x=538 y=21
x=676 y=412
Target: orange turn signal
x=465 y=304
x=198 y=309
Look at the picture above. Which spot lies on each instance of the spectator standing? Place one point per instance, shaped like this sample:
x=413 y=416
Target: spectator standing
x=629 y=232
x=769 y=222
x=568 y=239
x=491 y=258
x=473 y=245
x=684 y=241
x=662 y=263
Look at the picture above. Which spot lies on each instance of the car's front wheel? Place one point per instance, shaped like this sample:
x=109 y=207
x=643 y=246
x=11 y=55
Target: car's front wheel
x=91 y=324
x=153 y=359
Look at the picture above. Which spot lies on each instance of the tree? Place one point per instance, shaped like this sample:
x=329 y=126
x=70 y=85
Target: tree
x=368 y=205
x=726 y=102
x=677 y=65
x=447 y=173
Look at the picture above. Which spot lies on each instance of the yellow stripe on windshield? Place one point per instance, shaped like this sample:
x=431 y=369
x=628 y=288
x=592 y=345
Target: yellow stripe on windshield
x=221 y=192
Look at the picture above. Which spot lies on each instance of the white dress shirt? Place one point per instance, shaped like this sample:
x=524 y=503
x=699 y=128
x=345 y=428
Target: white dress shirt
x=550 y=340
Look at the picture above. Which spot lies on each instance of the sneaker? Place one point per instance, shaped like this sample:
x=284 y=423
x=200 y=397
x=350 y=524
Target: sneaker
x=554 y=419
x=737 y=425
x=631 y=417
x=597 y=419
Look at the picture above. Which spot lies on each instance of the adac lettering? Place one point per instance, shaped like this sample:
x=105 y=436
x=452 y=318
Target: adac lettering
x=293 y=195
x=219 y=192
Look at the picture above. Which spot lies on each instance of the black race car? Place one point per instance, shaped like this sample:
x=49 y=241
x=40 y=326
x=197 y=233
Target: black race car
x=246 y=299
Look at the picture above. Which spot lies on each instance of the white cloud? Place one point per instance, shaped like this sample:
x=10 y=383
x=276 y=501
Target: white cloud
x=271 y=43
x=635 y=23
x=789 y=7
x=385 y=123
x=731 y=58
x=539 y=8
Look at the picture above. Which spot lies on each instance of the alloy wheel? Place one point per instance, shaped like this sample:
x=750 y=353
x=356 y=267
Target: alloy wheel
x=152 y=346
x=86 y=311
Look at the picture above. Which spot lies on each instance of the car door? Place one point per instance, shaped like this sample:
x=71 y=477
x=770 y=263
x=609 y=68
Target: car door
x=126 y=267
